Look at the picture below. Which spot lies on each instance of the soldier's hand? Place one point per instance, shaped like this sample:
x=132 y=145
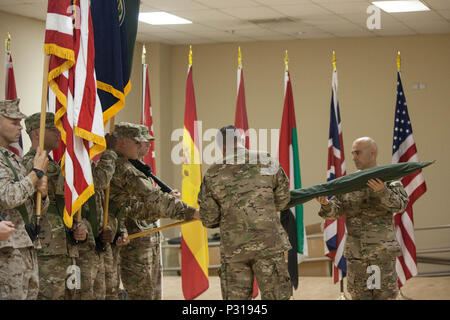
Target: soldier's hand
x=322 y=200
x=79 y=232
x=196 y=215
x=122 y=240
x=111 y=141
x=376 y=185
x=40 y=160
x=6 y=229
x=42 y=186
x=176 y=193
x=106 y=236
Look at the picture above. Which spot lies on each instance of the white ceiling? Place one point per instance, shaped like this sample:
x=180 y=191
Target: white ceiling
x=229 y=20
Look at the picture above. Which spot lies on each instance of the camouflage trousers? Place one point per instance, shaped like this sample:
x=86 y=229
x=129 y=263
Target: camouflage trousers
x=52 y=277
x=19 y=278
x=111 y=275
x=140 y=269
x=92 y=276
x=236 y=278
x=115 y=293
x=359 y=277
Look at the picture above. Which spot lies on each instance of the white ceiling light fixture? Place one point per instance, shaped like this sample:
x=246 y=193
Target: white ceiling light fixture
x=401 y=6
x=161 y=18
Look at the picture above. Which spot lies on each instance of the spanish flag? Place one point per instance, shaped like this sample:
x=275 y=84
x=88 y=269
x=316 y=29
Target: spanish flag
x=194 y=240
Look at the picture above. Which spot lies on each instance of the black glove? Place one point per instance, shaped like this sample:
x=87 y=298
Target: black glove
x=33 y=231
x=99 y=245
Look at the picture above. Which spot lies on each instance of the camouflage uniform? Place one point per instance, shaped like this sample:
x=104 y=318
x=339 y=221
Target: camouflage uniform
x=131 y=189
x=243 y=200
x=52 y=256
x=19 y=278
x=95 y=274
x=141 y=259
x=371 y=237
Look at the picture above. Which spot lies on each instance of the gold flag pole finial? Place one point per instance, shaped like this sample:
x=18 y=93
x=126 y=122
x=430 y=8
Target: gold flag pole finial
x=286 y=61
x=334 y=60
x=398 y=60
x=239 y=57
x=190 y=56
x=144 y=53
x=8 y=42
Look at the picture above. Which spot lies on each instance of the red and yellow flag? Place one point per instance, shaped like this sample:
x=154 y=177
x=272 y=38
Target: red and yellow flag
x=194 y=240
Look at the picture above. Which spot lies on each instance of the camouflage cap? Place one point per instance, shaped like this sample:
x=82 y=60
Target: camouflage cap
x=144 y=133
x=10 y=109
x=128 y=130
x=34 y=121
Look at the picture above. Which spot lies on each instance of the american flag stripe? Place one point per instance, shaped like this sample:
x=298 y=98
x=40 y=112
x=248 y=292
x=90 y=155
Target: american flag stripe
x=404 y=150
x=78 y=111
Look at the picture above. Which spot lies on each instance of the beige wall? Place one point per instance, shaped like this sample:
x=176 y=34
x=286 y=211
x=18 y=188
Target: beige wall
x=367 y=82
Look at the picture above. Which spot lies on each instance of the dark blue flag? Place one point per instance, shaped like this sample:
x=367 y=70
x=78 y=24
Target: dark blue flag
x=115 y=28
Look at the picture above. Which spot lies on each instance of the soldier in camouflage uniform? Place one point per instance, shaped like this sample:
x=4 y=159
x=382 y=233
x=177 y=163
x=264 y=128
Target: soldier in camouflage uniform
x=53 y=256
x=141 y=259
x=18 y=261
x=95 y=257
x=371 y=235
x=132 y=194
x=242 y=195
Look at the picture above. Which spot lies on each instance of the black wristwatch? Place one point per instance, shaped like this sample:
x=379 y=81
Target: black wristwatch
x=39 y=173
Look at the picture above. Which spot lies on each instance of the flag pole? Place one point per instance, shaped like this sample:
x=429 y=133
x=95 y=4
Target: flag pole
x=341 y=281
x=106 y=206
x=146 y=232
x=42 y=126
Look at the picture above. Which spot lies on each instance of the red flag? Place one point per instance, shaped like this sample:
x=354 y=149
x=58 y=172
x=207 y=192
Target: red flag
x=11 y=94
x=240 y=120
x=73 y=85
x=194 y=240
x=147 y=118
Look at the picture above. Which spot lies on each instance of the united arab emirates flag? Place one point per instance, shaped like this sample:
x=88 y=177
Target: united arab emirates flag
x=288 y=155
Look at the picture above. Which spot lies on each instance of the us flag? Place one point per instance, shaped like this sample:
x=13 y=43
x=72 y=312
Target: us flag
x=334 y=232
x=72 y=83
x=404 y=150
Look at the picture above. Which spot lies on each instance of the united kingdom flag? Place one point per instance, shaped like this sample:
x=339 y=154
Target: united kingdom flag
x=334 y=232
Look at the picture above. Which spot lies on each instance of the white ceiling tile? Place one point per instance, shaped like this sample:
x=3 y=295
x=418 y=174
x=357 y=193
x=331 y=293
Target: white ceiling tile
x=347 y=7
x=273 y=38
x=169 y=5
x=273 y=3
x=222 y=4
x=253 y=13
x=437 y=4
x=203 y=15
x=429 y=27
x=445 y=13
x=300 y=10
x=27 y=10
x=339 y=1
x=425 y=16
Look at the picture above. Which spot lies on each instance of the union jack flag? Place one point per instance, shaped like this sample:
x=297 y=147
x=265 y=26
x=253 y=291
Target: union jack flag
x=404 y=150
x=334 y=232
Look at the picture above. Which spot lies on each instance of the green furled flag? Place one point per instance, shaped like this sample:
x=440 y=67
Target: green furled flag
x=288 y=157
x=355 y=181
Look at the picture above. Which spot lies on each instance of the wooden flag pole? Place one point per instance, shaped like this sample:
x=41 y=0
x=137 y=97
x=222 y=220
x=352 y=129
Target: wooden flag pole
x=106 y=207
x=42 y=125
x=143 y=233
